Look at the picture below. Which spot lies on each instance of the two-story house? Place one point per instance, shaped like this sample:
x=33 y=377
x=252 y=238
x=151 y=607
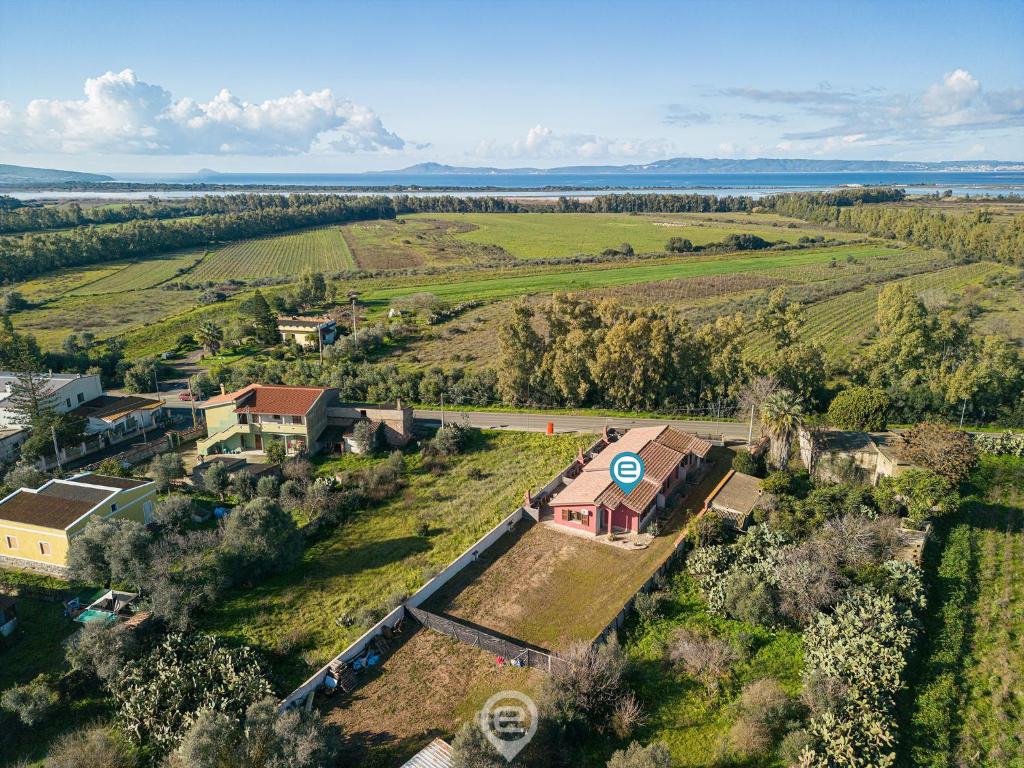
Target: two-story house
x=63 y=392
x=311 y=332
x=254 y=416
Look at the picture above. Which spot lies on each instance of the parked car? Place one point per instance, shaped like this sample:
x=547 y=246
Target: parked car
x=197 y=396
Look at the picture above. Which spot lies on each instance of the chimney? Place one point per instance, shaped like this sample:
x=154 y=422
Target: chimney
x=222 y=388
x=398 y=403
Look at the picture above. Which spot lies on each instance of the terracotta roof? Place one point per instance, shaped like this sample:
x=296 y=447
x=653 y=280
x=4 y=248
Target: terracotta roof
x=53 y=506
x=638 y=500
x=111 y=408
x=266 y=398
x=684 y=442
x=633 y=441
x=585 y=489
x=660 y=461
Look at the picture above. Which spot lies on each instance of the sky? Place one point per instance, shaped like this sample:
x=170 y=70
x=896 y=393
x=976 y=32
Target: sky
x=336 y=87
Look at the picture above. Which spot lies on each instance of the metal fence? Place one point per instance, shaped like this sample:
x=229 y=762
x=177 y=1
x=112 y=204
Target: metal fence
x=488 y=641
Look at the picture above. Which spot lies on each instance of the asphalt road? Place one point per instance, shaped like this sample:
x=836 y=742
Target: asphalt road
x=537 y=422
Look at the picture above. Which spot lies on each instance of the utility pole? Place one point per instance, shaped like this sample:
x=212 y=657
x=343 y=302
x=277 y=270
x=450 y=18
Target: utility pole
x=963 y=411
x=355 y=336
x=750 y=432
x=56 y=449
x=192 y=399
x=442 y=410
x=320 y=338
x=156 y=381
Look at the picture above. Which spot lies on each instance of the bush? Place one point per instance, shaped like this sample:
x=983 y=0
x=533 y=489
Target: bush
x=748 y=463
x=93 y=748
x=471 y=749
x=678 y=245
x=364 y=435
x=648 y=605
x=946 y=451
x=762 y=714
x=260 y=538
x=161 y=695
x=275 y=451
x=32 y=702
x=587 y=690
x=748 y=598
x=863 y=409
x=101 y=649
x=705 y=657
x=268 y=487
x=173 y=512
x=708 y=529
x=654 y=755
x=921 y=494
x=627 y=717
x=243 y=484
x=165 y=468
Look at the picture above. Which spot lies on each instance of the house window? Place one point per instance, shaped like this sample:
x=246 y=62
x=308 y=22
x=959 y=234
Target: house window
x=81 y=397
x=67 y=401
x=576 y=515
x=44 y=548
x=12 y=542
x=297 y=420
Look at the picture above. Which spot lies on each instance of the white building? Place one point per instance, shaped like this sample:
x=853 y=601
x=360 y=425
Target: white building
x=64 y=392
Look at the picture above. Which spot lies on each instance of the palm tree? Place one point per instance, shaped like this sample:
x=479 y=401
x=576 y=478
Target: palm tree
x=781 y=418
x=210 y=336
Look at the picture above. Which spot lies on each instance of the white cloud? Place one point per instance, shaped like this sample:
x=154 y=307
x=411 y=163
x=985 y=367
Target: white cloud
x=543 y=143
x=122 y=114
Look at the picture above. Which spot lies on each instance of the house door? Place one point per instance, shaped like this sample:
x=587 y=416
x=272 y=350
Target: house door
x=258 y=439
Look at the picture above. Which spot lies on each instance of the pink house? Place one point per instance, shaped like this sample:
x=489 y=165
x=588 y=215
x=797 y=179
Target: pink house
x=592 y=502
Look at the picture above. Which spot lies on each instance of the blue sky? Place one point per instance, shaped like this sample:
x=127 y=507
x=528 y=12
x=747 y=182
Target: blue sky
x=346 y=86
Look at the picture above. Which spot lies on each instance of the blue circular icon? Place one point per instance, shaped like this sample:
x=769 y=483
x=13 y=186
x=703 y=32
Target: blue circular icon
x=627 y=470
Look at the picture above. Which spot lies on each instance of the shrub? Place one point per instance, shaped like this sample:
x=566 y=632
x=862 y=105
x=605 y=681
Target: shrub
x=762 y=713
x=627 y=717
x=864 y=409
x=654 y=755
x=215 y=479
x=709 y=528
x=705 y=657
x=161 y=695
x=275 y=451
x=268 y=487
x=678 y=245
x=173 y=512
x=946 y=451
x=101 y=649
x=748 y=463
x=587 y=690
x=748 y=598
x=260 y=538
x=471 y=749
x=921 y=494
x=243 y=484
x=32 y=702
x=364 y=435
x=648 y=605
x=91 y=748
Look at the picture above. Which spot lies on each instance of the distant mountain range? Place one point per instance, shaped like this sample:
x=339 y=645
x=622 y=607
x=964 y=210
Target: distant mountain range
x=724 y=165
x=20 y=174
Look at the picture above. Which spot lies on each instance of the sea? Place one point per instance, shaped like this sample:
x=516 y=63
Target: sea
x=549 y=185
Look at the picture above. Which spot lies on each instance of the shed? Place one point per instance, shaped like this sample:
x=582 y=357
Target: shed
x=437 y=754
x=735 y=498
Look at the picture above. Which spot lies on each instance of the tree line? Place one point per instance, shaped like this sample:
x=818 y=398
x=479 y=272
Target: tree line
x=33 y=254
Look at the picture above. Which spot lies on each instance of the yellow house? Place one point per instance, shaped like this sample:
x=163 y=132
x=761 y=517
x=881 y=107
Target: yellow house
x=37 y=524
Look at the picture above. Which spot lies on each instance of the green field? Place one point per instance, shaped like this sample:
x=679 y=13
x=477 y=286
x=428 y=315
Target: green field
x=144 y=274
x=376 y=554
x=965 y=703
x=610 y=275
x=537 y=235
x=322 y=249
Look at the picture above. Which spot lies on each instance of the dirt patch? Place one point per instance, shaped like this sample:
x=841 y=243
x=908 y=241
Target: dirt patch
x=688 y=289
x=426 y=688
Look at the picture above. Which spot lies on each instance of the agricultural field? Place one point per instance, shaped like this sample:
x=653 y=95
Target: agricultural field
x=140 y=275
x=322 y=249
x=966 y=693
x=414 y=242
x=106 y=315
x=546 y=235
x=376 y=556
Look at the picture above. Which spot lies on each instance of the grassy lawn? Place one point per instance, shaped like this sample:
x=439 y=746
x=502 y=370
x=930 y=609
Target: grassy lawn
x=376 y=556
x=144 y=274
x=965 y=700
x=534 y=235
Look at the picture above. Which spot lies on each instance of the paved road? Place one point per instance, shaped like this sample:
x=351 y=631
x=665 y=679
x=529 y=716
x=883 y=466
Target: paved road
x=537 y=422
